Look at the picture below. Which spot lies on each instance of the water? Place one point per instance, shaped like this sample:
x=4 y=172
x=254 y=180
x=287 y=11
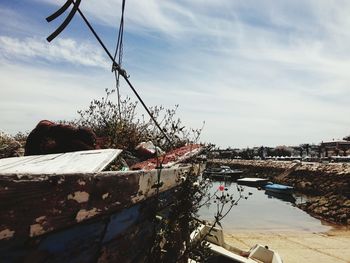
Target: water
x=261 y=212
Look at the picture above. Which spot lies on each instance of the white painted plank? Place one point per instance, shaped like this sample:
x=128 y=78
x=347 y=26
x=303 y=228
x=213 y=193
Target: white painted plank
x=62 y=163
x=7 y=162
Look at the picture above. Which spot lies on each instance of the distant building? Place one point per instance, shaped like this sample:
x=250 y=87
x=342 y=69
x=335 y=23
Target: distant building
x=335 y=148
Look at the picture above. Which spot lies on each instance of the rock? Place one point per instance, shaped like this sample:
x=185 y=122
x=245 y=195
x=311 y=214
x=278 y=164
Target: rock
x=312 y=206
x=333 y=197
x=343 y=218
x=323 y=201
x=346 y=203
x=320 y=210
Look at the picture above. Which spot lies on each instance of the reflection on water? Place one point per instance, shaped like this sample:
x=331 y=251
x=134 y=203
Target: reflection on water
x=263 y=211
x=287 y=198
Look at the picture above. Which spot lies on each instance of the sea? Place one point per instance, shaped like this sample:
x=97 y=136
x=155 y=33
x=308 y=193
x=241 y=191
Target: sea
x=257 y=210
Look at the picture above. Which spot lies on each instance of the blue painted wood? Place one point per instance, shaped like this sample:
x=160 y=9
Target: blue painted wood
x=120 y=222
x=77 y=244
x=80 y=243
x=123 y=236
x=130 y=233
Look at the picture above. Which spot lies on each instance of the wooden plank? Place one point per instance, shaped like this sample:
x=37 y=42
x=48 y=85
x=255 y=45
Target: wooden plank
x=103 y=239
x=13 y=161
x=33 y=205
x=62 y=163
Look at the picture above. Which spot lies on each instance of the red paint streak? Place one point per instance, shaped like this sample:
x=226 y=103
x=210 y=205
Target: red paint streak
x=175 y=155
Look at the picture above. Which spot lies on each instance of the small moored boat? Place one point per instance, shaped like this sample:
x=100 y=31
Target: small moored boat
x=256 y=182
x=222 y=172
x=224 y=252
x=279 y=188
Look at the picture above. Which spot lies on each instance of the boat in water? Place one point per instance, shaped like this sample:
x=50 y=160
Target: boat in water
x=222 y=173
x=255 y=182
x=279 y=188
x=225 y=253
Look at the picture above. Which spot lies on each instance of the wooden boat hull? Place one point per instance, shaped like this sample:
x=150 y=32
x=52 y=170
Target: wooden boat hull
x=97 y=230
x=84 y=217
x=101 y=239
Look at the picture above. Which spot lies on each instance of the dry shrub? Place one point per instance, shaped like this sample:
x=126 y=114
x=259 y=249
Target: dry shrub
x=123 y=128
x=11 y=146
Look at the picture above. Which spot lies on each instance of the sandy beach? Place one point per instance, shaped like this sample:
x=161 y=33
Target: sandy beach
x=297 y=246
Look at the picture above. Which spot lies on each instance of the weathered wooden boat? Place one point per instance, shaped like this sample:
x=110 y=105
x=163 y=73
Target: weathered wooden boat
x=225 y=253
x=279 y=188
x=222 y=173
x=256 y=182
x=68 y=208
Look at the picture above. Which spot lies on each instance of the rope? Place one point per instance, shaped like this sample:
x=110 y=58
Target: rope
x=122 y=72
x=119 y=52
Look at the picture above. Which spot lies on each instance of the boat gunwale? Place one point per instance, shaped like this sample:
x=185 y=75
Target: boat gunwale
x=76 y=197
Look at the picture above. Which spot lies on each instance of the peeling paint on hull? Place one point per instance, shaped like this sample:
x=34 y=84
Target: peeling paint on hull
x=90 y=226
x=82 y=217
x=104 y=239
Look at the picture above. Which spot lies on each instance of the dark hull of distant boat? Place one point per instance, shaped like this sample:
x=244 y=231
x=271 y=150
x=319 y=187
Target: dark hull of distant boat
x=279 y=189
x=232 y=175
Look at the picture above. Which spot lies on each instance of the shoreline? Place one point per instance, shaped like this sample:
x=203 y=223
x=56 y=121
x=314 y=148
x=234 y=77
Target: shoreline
x=298 y=246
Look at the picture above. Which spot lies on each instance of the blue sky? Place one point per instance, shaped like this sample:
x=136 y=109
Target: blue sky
x=257 y=72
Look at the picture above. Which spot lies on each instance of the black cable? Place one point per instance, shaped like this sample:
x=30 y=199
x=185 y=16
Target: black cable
x=65 y=22
x=122 y=72
x=119 y=47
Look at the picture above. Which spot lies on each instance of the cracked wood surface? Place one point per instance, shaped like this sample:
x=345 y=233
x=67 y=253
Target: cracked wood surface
x=33 y=205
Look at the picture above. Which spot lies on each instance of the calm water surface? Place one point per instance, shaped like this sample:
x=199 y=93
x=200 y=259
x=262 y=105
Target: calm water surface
x=262 y=212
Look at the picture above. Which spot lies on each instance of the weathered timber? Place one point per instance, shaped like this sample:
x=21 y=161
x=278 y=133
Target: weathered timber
x=79 y=216
x=51 y=202
x=123 y=236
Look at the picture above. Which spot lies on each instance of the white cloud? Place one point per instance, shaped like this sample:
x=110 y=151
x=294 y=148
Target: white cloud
x=30 y=94
x=62 y=50
x=12 y=21
x=258 y=72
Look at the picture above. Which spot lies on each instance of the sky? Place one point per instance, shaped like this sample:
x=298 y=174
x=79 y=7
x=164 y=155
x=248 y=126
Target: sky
x=257 y=72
